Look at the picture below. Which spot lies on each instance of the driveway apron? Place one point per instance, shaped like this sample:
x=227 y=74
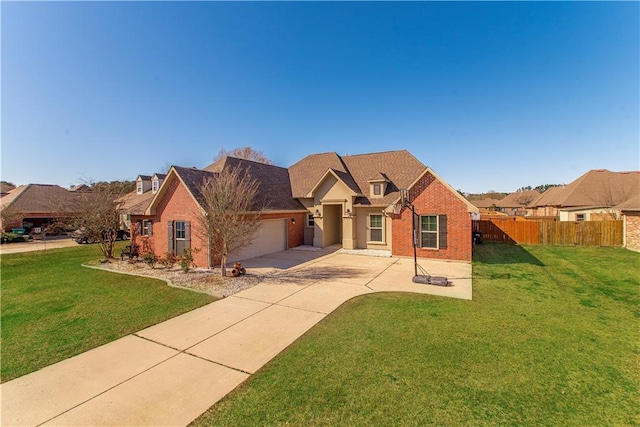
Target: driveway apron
x=172 y=372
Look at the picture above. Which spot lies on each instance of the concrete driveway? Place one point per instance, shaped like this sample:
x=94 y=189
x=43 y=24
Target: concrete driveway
x=172 y=372
x=53 y=242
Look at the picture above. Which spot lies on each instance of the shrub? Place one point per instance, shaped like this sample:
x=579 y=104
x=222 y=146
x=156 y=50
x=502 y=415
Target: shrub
x=186 y=259
x=150 y=259
x=168 y=260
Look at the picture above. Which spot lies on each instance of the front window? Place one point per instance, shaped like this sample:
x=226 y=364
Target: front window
x=377 y=189
x=376 y=230
x=580 y=217
x=310 y=220
x=429 y=231
x=139 y=187
x=154 y=185
x=146 y=227
x=180 y=230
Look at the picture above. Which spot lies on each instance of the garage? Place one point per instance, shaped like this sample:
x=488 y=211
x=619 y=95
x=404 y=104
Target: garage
x=270 y=238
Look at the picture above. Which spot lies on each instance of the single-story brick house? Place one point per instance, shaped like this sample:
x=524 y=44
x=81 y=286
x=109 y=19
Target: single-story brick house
x=38 y=205
x=322 y=200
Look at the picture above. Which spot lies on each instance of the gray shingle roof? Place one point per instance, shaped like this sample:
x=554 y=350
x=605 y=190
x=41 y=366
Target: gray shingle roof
x=274 y=187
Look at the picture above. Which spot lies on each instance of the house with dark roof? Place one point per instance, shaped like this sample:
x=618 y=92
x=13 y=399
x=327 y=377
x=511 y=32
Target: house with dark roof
x=322 y=200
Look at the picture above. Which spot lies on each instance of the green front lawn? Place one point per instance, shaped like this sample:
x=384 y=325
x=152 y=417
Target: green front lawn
x=551 y=338
x=53 y=308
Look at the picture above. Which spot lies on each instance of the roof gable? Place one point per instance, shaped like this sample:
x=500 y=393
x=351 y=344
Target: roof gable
x=342 y=177
x=398 y=168
x=274 y=191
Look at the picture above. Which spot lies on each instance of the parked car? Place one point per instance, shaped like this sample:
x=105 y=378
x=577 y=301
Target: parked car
x=80 y=237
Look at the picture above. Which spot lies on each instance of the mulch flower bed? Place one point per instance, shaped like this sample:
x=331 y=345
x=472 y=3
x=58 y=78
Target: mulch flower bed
x=198 y=279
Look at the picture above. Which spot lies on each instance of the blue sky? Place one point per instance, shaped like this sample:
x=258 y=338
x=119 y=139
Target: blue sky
x=492 y=96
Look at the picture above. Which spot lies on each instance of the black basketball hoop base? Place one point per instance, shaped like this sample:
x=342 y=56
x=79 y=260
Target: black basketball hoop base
x=431 y=280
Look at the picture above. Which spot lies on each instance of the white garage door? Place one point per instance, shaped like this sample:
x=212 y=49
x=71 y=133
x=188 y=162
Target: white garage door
x=270 y=238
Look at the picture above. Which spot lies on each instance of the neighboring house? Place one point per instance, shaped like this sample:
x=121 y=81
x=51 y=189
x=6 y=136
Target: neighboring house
x=486 y=206
x=515 y=204
x=592 y=197
x=323 y=200
x=37 y=205
x=175 y=208
x=630 y=210
x=135 y=203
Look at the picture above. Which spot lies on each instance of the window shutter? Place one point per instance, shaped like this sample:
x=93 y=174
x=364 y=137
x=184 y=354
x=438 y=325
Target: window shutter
x=170 y=239
x=187 y=234
x=442 y=231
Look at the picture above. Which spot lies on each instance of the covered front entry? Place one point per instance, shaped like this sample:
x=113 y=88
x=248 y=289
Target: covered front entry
x=271 y=237
x=332 y=222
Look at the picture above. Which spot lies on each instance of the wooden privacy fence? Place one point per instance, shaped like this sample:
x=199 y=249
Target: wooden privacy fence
x=561 y=233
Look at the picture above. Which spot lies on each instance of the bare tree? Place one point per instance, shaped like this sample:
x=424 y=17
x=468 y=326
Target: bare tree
x=9 y=218
x=246 y=153
x=229 y=217
x=99 y=214
x=6 y=186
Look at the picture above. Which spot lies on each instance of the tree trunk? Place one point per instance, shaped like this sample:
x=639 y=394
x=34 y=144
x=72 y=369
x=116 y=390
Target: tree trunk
x=223 y=265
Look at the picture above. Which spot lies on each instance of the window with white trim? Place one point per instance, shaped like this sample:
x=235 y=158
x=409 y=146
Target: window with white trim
x=376 y=229
x=311 y=222
x=580 y=217
x=155 y=184
x=139 y=187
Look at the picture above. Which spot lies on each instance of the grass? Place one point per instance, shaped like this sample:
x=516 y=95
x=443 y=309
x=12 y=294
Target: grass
x=551 y=338
x=52 y=308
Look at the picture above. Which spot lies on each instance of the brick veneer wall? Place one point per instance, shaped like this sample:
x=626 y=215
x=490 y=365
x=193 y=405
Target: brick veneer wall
x=431 y=197
x=178 y=205
x=632 y=230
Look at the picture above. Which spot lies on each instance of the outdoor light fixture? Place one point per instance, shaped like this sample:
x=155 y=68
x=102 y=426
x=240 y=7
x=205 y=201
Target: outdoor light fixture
x=348 y=213
x=317 y=214
x=293 y=220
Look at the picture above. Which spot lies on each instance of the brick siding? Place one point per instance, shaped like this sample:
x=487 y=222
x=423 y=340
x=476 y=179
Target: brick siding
x=632 y=230
x=431 y=197
x=178 y=205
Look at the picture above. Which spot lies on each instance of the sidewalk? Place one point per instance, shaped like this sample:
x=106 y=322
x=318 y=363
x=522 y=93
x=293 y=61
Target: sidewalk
x=172 y=372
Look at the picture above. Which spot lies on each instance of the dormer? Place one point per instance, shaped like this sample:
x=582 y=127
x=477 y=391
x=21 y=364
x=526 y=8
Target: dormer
x=143 y=184
x=156 y=181
x=378 y=186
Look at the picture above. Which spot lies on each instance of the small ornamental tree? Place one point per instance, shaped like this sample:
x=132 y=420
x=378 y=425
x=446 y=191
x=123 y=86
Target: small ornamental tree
x=99 y=215
x=229 y=217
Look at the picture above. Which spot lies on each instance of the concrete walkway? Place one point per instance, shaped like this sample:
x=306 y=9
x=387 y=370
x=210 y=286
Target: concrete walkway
x=172 y=372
